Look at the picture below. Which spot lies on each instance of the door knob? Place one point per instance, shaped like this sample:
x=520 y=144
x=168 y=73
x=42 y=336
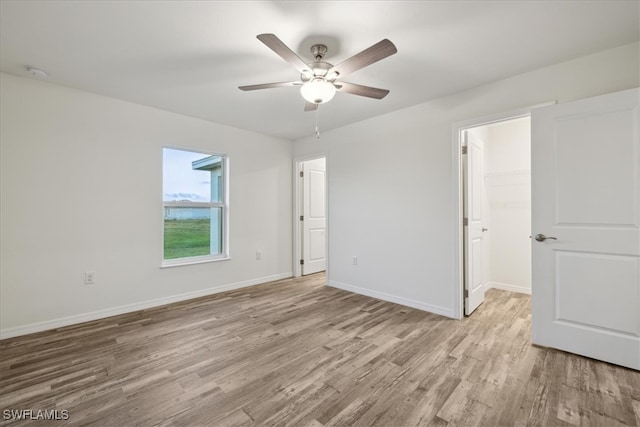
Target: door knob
x=542 y=238
x=484 y=229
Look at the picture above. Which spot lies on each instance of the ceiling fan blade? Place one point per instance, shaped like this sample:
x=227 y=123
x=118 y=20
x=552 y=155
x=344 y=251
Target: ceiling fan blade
x=375 y=53
x=368 y=91
x=269 y=85
x=310 y=106
x=276 y=45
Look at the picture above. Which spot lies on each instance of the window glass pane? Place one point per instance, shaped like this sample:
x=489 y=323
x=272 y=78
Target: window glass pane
x=180 y=181
x=216 y=230
x=186 y=237
x=216 y=184
x=192 y=181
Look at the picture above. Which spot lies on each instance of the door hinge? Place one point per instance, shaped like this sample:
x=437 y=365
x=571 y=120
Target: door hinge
x=464 y=149
x=301 y=217
x=465 y=221
x=301 y=262
x=466 y=293
x=301 y=174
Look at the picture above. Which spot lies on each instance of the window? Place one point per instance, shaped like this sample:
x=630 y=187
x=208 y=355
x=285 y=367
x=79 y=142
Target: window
x=195 y=207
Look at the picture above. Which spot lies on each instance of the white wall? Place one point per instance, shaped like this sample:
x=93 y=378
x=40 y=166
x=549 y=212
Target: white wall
x=81 y=189
x=392 y=200
x=507 y=158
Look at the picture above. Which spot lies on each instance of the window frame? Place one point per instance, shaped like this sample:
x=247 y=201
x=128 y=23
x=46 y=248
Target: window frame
x=223 y=204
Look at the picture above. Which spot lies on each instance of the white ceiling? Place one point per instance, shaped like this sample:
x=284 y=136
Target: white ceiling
x=189 y=57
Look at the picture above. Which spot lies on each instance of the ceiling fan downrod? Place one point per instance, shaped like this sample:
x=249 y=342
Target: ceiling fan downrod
x=318 y=51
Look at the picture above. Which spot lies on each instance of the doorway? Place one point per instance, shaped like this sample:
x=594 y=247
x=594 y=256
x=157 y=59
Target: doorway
x=495 y=200
x=310 y=217
x=584 y=157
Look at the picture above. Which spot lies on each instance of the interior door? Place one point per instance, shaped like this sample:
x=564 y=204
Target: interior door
x=585 y=218
x=314 y=221
x=473 y=171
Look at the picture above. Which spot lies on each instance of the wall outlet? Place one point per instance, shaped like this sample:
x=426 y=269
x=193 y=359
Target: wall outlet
x=354 y=260
x=258 y=255
x=89 y=278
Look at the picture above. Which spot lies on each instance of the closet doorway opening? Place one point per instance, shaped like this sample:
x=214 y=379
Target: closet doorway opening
x=496 y=208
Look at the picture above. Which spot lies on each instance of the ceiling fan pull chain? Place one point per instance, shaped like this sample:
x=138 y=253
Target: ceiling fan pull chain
x=318 y=122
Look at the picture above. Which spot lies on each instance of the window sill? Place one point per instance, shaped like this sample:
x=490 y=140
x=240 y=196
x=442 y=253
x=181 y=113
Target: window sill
x=179 y=262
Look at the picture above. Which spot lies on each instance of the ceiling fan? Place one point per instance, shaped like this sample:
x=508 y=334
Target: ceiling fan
x=320 y=80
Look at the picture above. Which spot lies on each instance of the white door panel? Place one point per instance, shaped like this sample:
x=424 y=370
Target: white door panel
x=585 y=191
x=314 y=222
x=316 y=245
x=582 y=276
x=473 y=232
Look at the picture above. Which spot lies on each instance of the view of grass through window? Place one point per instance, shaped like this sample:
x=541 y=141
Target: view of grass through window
x=186 y=237
x=192 y=208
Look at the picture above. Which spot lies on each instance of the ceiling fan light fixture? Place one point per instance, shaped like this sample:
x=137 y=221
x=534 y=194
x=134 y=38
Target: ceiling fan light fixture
x=318 y=91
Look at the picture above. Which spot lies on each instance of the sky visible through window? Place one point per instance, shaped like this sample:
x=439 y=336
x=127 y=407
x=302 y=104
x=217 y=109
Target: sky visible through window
x=180 y=181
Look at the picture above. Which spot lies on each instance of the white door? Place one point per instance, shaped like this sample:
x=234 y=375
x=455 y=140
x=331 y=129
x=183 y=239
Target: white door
x=314 y=221
x=473 y=170
x=585 y=200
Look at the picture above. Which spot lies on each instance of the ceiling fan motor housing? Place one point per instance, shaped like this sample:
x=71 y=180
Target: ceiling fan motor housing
x=318 y=69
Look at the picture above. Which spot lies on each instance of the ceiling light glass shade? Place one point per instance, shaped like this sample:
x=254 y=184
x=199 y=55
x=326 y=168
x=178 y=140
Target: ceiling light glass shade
x=318 y=91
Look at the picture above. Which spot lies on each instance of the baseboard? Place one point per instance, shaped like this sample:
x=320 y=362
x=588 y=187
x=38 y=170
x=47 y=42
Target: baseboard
x=443 y=311
x=511 y=288
x=101 y=314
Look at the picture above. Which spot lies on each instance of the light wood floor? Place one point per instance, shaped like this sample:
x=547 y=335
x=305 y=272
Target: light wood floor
x=296 y=352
